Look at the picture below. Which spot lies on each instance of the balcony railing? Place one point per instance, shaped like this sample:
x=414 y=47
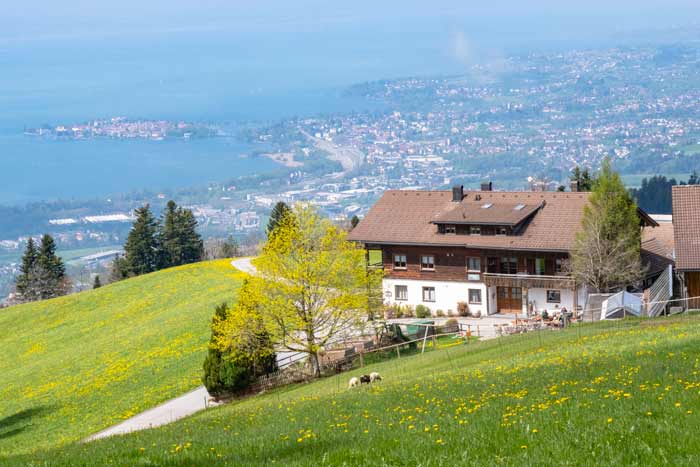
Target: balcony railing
x=529 y=281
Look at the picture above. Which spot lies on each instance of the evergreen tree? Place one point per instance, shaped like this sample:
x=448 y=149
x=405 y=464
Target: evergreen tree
x=179 y=238
x=694 y=178
x=169 y=236
x=191 y=243
x=230 y=248
x=97 y=283
x=119 y=270
x=606 y=255
x=583 y=178
x=29 y=259
x=143 y=250
x=354 y=221
x=278 y=213
x=43 y=274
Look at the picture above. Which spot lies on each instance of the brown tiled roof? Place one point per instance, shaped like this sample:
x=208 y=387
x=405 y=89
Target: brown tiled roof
x=483 y=212
x=657 y=247
x=686 y=226
x=406 y=217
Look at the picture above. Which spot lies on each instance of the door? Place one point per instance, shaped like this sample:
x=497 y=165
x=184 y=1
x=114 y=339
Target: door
x=509 y=300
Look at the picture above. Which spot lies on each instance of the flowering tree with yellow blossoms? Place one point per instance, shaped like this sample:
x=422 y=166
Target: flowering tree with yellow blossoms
x=313 y=284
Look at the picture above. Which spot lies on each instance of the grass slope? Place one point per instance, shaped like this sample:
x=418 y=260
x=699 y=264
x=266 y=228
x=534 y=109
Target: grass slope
x=604 y=394
x=77 y=364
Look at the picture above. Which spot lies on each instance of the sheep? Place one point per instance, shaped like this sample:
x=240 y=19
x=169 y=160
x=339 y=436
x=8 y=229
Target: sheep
x=365 y=379
x=375 y=377
x=354 y=382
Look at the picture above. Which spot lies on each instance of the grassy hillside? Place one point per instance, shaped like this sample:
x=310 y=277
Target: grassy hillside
x=77 y=364
x=605 y=394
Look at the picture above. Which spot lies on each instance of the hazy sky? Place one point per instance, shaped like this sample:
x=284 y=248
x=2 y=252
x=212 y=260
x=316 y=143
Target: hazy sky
x=39 y=19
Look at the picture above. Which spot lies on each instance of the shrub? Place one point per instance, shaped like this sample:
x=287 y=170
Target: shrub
x=450 y=312
x=463 y=308
x=409 y=311
x=450 y=325
x=545 y=315
x=422 y=311
x=440 y=313
x=398 y=311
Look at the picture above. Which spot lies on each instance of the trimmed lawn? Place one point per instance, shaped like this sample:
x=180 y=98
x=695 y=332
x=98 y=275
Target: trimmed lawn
x=603 y=394
x=77 y=364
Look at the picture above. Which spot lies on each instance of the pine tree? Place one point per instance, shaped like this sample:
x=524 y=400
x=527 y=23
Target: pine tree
x=583 y=178
x=191 y=243
x=143 y=250
x=179 y=238
x=169 y=236
x=48 y=259
x=278 y=213
x=97 y=283
x=119 y=270
x=606 y=255
x=23 y=282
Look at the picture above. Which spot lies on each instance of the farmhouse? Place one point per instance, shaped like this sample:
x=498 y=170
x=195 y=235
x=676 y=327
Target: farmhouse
x=686 y=229
x=500 y=252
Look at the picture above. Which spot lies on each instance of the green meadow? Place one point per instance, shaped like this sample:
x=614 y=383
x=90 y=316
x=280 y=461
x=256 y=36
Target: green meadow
x=77 y=364
x=622 y=393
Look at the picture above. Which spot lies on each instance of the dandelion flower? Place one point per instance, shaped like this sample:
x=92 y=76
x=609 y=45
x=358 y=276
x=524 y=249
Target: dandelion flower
x=610 y=420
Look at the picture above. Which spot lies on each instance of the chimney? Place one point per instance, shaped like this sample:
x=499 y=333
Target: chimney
x=487 y=186
x=457 y=193
x=573 y=185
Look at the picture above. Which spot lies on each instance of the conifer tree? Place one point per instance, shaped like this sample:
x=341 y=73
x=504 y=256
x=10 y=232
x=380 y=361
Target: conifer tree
x=143 y=250
x=97 y=283
x=606 y=255
x=354 y=221
x=48 y=259
x=23 y=283
x=278 y=213
x=191 y=243
x=169 y=236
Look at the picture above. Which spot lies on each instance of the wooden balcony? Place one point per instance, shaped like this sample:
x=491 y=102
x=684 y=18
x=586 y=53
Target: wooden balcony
x=528 y=281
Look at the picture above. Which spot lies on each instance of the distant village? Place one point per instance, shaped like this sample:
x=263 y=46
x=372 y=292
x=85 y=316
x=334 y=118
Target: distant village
x=123 y=128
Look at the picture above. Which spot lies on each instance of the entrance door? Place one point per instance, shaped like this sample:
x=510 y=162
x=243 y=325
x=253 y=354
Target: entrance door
x=509 y=300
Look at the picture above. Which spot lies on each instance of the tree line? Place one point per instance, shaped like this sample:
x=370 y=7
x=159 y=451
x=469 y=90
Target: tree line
x=654 y=195
x=154 y=244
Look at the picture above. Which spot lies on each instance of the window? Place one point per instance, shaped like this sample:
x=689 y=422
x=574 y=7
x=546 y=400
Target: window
x=492 y=265
x=474 y=230
x=427 y=262
x=559 y=265
x=539 y=266
x=501 y=231
x=401 y=292
x=509 y=265
x=428 y=294
x=450 y=229
x=475 y=296
x=486 y=206
x=553 y=296
x=473 y=269
x=399 y=261
x=519 y=207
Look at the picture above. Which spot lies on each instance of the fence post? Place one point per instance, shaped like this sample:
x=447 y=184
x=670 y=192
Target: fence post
x=398 y=352
x=362 y=361
x=478 y=332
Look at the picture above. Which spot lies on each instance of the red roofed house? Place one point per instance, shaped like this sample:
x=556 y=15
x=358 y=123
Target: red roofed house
x=501 y=252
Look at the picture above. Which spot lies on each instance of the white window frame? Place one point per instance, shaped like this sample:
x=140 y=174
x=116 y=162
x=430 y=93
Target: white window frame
x=429 y=266
x=400 y=297
x=428 y=289
x=405 y=261
x=554 y=291
x=474 y=230
x=450 y=229
x=469 y=296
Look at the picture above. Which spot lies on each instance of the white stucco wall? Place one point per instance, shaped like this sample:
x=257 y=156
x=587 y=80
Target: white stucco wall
x=539 y=297
x=447 y=294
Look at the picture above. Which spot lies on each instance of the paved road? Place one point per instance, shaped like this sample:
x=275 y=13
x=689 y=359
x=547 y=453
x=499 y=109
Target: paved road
x=168 y=412
x=244 y=265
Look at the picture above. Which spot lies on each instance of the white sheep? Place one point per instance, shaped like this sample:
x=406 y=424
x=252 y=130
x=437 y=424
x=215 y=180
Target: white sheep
x=354 y=382
x=375 y=377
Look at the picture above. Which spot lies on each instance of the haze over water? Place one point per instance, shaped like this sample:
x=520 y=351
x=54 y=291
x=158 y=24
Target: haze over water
x=229 y=61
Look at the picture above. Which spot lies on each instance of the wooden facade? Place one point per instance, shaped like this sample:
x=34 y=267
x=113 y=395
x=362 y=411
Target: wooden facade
x=450 y=263
x=692 y=283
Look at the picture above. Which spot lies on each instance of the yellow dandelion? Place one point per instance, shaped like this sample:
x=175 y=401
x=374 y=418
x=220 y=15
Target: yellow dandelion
x=610 y=420
x=524 y=446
